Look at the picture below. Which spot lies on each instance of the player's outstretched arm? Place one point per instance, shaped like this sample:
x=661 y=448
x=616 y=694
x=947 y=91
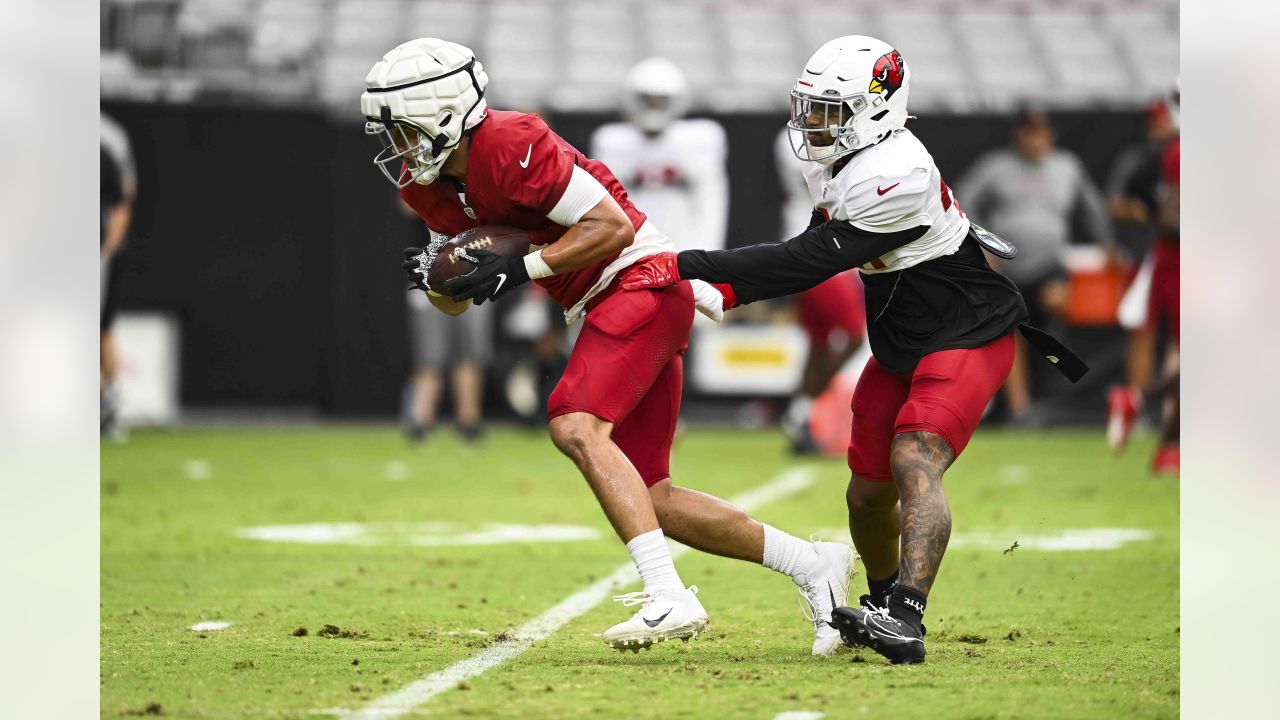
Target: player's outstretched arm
x=769 y=270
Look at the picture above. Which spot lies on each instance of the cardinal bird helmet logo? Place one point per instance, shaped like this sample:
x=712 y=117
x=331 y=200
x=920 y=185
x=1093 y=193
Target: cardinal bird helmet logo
x=887 y=74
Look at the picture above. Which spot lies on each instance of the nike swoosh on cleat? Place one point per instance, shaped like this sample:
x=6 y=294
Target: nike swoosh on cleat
x=655 y=623
x=525 y=162
x=834 y=604
x=879 y=191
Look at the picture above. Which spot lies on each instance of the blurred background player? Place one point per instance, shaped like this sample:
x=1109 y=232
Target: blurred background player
x=1031 y=193
x=461 y=164
x=673 y=167
x=1131 y=202
x=1150 y=193
x=118 y=187
x=831 y=313
x=462 y=345
x=1131 y=184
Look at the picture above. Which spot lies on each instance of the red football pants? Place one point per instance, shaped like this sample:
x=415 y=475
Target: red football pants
x=833 y=305
x=628 y=368
x=946 y=395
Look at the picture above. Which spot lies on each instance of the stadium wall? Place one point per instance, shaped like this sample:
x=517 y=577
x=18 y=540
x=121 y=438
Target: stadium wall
x=271 y=237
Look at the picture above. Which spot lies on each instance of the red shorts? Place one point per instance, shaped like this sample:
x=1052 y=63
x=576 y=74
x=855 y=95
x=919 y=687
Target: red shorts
x=833 y=305
x=627 y=367
x=1166 y=298
x=946 y=395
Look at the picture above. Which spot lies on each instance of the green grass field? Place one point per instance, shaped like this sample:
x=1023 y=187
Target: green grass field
x=1034 y=632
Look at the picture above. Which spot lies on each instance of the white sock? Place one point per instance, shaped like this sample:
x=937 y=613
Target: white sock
x=787 y=554
x=653 y=560
x=797 y=414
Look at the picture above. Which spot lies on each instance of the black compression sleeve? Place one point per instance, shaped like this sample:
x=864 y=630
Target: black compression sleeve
x=769 y=270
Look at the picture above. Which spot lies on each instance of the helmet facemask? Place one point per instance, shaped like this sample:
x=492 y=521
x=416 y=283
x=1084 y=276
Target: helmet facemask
x=408 y=155
x=822 y=130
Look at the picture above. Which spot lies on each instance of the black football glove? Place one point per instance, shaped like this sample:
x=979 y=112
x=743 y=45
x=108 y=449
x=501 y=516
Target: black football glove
x=416 y=265
x=493 y=277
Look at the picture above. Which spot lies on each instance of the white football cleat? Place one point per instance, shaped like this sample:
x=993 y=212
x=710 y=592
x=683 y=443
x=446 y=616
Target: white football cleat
x=665 y=616
x=824 y=588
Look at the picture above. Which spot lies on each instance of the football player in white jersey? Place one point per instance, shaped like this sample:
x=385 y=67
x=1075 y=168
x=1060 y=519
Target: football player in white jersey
x=673 y=167
x=940 y=320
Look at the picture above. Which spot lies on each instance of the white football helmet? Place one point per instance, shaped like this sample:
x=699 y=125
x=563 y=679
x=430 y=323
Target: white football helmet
x=419 y=100
x=657 y=94
x=851 y=94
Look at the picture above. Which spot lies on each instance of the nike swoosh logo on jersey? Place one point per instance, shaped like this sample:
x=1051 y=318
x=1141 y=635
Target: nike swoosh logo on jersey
x=882 y=191
x=502 y=278
x=525 y=163
x=655 y=623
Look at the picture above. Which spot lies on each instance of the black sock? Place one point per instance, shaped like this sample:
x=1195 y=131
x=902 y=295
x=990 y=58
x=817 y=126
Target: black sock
x=907 y=604
x=882 y=589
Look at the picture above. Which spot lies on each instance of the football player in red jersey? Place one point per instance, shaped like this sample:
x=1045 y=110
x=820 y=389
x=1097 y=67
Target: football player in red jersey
x=941 y=321
x=461 y=165
x=1157 y=188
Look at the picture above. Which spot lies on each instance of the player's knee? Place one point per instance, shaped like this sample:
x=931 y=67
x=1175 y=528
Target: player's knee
x=660 y=493
x=575 y=433
x=920 y=455
x=865 y=497
x=663 y=503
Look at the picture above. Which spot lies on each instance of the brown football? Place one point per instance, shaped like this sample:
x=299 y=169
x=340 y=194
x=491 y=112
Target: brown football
x=498 y=239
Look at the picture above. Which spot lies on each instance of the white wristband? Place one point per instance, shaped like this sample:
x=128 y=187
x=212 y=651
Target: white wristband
x=536 y=266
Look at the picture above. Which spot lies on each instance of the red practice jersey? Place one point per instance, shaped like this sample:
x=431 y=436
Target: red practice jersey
x=1170 y=178
x=1171 y=162
x=517 y=170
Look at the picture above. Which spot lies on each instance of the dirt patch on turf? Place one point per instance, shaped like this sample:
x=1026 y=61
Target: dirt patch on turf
x=333 y=631
x=300 y=632
x=972 y=639
x=151 y=709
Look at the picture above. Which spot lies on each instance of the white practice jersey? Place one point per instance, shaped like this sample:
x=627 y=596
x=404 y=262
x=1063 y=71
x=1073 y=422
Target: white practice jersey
x=678 y=178
x=892 y=186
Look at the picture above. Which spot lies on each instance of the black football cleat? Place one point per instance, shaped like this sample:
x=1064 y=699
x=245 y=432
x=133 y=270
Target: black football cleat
x=803 y=444
x=880 y=631
x=866 y=602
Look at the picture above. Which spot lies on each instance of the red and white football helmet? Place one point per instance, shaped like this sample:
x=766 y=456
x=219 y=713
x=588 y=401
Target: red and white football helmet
x=418 y=100
x=851 y=94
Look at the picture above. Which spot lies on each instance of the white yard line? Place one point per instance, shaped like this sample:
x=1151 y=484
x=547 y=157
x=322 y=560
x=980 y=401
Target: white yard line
x=800 y=715
x=424 y=689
